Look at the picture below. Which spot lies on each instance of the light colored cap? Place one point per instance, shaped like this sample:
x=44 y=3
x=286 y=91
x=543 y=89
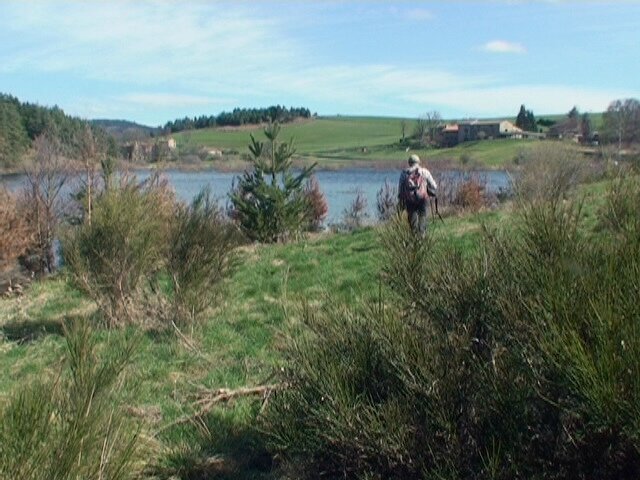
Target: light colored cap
x=414 y=159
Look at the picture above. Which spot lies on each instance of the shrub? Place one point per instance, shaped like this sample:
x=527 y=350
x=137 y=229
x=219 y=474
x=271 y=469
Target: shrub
x=316 y=203
x=122 y=247
x=471 y=195
x=467 y=192
x=42 y=204
x=623 y=200
x=387 y=202
x=74 y=425
x=16 y=237
x=356 y=213
x=548 y=171
x=201 y=245
x=515 y=362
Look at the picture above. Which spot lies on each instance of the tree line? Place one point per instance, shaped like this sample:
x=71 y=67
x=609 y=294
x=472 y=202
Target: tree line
x=239 y=116
x=22 y=123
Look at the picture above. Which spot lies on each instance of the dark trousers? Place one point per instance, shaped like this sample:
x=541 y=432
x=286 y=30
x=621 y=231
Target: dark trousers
x=417 y=215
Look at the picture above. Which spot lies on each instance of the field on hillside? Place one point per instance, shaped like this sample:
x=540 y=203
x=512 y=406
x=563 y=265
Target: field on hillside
x=356 y=141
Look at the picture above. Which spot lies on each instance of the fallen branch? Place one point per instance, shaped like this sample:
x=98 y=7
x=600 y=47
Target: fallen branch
x=212 y=397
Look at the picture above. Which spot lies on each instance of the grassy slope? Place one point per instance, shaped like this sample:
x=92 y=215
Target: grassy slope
x=238 y=346
x=343 y=141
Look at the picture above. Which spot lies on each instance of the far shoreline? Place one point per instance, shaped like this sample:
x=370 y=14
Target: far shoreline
x=239 y=166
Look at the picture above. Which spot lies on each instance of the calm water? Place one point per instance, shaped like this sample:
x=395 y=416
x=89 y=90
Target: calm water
x=340 y=187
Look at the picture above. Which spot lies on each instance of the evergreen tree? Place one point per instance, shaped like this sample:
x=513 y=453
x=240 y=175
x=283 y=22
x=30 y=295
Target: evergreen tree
x=269 y=202
x=13 y=136
x=573 y=113
x=521 y=119
x=531 y=122
x=526 y=120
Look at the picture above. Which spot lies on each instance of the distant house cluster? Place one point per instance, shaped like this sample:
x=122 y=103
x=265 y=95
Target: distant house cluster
x=149 y=151
x=454 y=133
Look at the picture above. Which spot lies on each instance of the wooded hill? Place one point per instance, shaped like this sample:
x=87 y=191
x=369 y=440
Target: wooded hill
x=239 y=116
x=21 y=123
x=126 y=131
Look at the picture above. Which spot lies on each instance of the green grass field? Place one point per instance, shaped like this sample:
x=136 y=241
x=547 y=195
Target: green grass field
x=336 y=142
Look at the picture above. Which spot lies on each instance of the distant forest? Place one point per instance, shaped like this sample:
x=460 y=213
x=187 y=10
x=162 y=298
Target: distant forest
x=239 y=116
x=125 y=131
x=21 y=123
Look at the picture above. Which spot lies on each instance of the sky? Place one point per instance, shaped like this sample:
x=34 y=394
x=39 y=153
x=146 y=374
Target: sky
x=155 y=61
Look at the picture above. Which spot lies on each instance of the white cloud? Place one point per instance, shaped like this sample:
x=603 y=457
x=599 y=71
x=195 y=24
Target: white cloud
x=502 y=46
x=168 y=100
x=419 y=14
x=411 y=14
x=143 y=42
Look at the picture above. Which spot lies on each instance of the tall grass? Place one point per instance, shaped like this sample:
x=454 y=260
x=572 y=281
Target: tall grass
x=520 y=361
x=73 y=426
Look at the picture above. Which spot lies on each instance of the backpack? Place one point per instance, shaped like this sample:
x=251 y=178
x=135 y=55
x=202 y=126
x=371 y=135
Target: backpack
x=414 y=187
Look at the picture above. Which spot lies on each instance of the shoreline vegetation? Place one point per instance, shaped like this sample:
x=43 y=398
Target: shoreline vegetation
x=187 y=340
x=256 y=390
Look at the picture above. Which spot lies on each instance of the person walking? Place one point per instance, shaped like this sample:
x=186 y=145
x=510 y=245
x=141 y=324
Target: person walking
x=415 y=186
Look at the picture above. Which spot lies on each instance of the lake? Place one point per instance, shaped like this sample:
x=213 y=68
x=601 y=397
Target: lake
x=339 y=186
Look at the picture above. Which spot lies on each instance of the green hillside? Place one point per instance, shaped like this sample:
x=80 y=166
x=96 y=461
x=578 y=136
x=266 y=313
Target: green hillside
x=344 y=141
x=320 y=136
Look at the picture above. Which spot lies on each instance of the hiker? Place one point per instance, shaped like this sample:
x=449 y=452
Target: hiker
x=415 y=187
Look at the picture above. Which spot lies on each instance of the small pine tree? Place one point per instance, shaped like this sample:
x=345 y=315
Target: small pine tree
x=268 y=202
x=521 y=119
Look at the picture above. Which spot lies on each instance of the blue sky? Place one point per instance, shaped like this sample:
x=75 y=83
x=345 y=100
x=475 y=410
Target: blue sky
x=154 y=61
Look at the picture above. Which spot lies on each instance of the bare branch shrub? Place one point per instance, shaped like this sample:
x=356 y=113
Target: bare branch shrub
x=466 y=192
x=16 y=237
x=471 y=195
x=355 y=215
x=387 y=201
x=43 y=203
x=549 y=171
x=317 y=203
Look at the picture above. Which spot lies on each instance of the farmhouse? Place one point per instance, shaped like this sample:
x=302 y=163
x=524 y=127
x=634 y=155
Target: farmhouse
x=453 y=134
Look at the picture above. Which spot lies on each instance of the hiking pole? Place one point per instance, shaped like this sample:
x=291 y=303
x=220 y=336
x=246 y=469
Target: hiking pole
x=437 y=212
